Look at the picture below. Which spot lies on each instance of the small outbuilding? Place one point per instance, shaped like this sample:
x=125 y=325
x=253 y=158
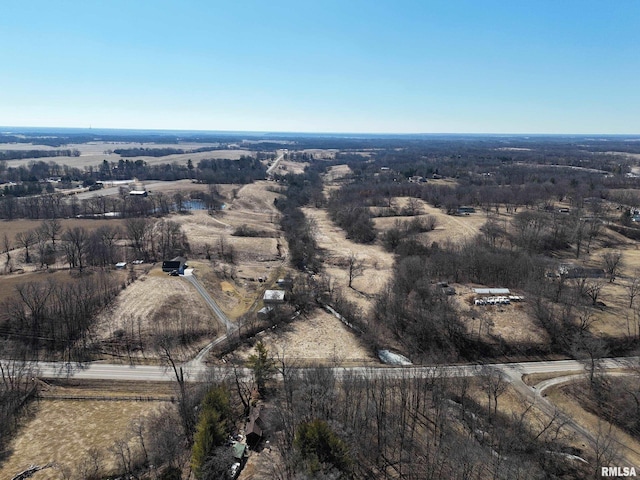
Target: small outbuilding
x=491 y=291
x=466 y=210
x=264 y=312
x=274 y=297
x=286 y=283
x=239 y=451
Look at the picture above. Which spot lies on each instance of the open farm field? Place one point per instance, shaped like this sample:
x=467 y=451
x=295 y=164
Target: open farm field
x=13 y=227
x=65 y=432
x=93 y=154
x=153 y=304
x=287 y=166
x=248 y=205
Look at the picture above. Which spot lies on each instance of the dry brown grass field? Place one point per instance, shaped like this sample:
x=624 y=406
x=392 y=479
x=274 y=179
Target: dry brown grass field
x=287 y=166
x=12 y=227
x=336 y=173
x=153 y=302
x=64 y=431
x=319 y=338
x=93 y=154
x=628 y=446
x=448 y=227
x=378 y=263
x=512 y=324
x=235 y=285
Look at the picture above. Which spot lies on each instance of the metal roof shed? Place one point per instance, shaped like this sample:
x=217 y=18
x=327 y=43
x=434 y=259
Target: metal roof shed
x=273 y=296
x=491 y=291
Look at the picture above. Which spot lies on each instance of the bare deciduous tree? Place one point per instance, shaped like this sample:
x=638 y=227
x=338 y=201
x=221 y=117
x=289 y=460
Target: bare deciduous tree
x=355 y=267
x=494 y=385
x=592 y=289
x=76 y=243
x=612 y=264
x=590 y=350
x=633 y=288
x=25 y=240
x=605 y=447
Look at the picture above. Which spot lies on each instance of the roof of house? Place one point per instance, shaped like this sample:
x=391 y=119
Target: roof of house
x=274 y=295
x=491 y=291
x=253 y=424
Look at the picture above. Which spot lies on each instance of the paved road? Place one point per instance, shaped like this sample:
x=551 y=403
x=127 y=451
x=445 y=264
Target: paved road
x=275 y=164
x=222 y=318
x=105 y=371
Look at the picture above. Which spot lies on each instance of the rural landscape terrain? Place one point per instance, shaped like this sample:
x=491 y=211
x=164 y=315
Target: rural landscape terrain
x=221 y=306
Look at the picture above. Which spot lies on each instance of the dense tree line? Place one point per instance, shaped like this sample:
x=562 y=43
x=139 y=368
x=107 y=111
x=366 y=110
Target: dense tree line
x=420 y=315
x=17 y=387
x=38 y=170
x=159 y=152
x=301 y=190
x=412 y=428
x=23 y=189
x=20 y=154
x=244 y=170
x=150 y=240
x=57 y=205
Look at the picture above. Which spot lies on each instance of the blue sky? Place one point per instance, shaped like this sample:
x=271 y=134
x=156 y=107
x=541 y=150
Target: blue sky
x=373 y=66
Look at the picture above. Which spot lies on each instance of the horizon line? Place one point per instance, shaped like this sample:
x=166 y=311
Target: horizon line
x=301 y=132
